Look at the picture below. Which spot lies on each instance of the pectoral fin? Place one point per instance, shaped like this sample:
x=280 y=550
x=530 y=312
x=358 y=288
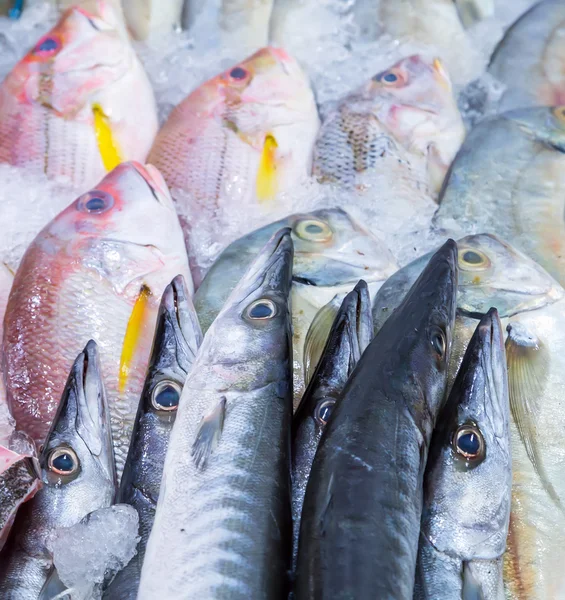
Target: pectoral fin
x=267 y=176
x=107 y=145
x=209 y=433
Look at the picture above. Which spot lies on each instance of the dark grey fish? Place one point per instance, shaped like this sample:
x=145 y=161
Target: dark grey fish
x=361 y=517
x=78 y=473
x=176 y=342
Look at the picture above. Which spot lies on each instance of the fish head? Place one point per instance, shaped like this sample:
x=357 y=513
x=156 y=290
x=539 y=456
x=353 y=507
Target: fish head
x=468 y=479
x=77 y=458
x=83 y=53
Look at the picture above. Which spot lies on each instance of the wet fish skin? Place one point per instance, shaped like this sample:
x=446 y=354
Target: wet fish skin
x=509 y=179
x=177 y=338
x=468 y=479
x=529 y=58
x=350 y=334
x=364 y=496
x=223 y=516
x=93 y=274
x=82 y=425
x=79 y=102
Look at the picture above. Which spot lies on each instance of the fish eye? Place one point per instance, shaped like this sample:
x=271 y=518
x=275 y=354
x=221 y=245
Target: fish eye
x=261 y=310
x=437 y=340
x=473 y=260
x=390 y=77
x=238 y=73
x=323 y=411
x=166 y=396
x=468 y=442
x=49 y=46
x=63 y=461
x=313 y=230
x=95 y=202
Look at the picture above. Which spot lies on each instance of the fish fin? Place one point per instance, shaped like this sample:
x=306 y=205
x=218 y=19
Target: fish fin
x=107 y=144
x=53 y=587
x=325 y=515
x=208 y=434
x=527 y=360
x=133 y=332
x=266 y=185
x=471 y=587
x=436 y=169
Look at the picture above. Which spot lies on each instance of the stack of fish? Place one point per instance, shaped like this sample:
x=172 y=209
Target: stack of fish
x=262 y=387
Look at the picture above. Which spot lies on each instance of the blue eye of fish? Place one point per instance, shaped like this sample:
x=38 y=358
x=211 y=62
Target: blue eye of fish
x=96 y=202
x=437 y=340
x=313 y=230
x=390 y=78
x=469 y=442
x=238 y=73
x=47 y=45
x=473 y=258
x=63 y=461
x=262 y=309
x=323 y=411
x=166 y=396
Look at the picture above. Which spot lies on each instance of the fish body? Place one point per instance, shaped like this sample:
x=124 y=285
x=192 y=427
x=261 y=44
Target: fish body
x=97 y=271
x=468 y=480
x=6 y=420
x=509 y=179
x=79 y=103
x=78 y=474
x=403 y=116
x=332 y=251
x=350 y=334
x=177 y=338
x=223 y=516
x=238 y=142
x=530 y=59
x=361 y=517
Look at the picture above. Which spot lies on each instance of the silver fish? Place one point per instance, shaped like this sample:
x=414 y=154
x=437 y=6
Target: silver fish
x=177 y=339
x=468 y=479
x=78 y=473
x=223 y=517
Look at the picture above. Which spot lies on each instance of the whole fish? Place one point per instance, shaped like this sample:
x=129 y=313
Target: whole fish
x=404 y=114
x=96 y=271
x=331 y=253
x=468 y=480
x=350 y=334
x=236 y=143
x=530 y=58
x=361 y=517
x=509 y=179
x=531 y=305
x=177 y=338
x=223 y=517
x=77 y=469
x=79 y=103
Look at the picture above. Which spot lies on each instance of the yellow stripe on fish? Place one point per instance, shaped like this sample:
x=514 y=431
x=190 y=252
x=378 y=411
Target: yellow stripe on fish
x=107 y=145
x=133 y=333
x=267 y=173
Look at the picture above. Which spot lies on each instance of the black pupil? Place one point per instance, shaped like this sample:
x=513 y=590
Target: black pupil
x=472 y=258
x=64 y=463
x=390 y=77
x=325 y=411
x=469 y=443
x=168 y=397
x=238 y=73
x=47 y=45
x=313 y=228
x=437 y=342
x=95 y=204
x=260 y=311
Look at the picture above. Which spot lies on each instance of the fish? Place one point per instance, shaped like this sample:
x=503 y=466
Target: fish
x=6 y=420
x=148 y=17
x=237 y=143
x=332 y=251
x=177 y=339
x=79 y=102
x=468 y=479
x=531 y=305
x=509 y=179
x=529 y=61
x=403 y=115
x=223 y=516
x=78 y=475
x=361 y=517
x=96 y=271
x=350 y=334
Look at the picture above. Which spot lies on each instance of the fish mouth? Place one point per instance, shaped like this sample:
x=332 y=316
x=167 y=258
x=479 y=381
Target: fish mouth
x=176 y=302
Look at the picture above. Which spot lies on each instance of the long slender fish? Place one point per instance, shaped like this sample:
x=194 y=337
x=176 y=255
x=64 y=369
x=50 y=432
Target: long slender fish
x=79 y=103
x=468 y=480
x=530 y=58
x=97 y=271
x=78 y=473
x=361 y=516
x=176 y=342
x=509 y=179
x=223 y=517
x=350 y=334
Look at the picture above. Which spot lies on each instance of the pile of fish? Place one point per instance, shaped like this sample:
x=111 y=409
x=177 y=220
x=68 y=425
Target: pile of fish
x=277 y=348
